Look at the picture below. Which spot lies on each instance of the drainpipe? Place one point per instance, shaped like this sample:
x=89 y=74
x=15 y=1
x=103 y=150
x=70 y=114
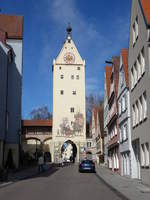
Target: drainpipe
x=6 y=112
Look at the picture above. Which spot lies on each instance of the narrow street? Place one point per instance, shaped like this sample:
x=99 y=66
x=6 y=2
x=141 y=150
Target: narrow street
x=62 y=184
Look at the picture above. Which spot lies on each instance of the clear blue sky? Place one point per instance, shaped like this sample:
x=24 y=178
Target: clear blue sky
x=100 y=30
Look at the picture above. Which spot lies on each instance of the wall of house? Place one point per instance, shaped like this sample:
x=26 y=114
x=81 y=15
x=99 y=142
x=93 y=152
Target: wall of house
x=3 y=96
x=141 y=131
x=14 y=100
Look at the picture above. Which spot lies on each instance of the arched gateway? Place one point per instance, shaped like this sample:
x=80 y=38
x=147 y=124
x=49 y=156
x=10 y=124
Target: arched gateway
x=68 y=102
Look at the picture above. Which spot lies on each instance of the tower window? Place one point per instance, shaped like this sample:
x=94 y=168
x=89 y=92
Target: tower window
x=61 y=76
x=61 y=92
x=78 y=68
x=72 y=110
x=59 y=67
x=77 y=77
x=74 y=92
x=72 y=76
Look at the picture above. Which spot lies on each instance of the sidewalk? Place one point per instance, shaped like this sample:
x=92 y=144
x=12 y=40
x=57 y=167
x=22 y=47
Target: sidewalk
x=24 y=174
x=129 y=189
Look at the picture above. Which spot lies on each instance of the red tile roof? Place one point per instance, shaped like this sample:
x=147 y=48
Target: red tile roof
x=108 y=70
x=124 y=54
x=37 y=122
x=116 y=68
x=12 y=25
x=146 y=9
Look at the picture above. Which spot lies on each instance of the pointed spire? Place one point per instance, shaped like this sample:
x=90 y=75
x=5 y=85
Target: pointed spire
x=69 y=30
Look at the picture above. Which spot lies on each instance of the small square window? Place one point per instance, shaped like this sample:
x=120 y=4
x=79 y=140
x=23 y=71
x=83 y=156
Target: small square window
x=61 y=92
x=72 y=110
x=61 y=76
x=74 y=92
x=77 y=77
x=78 y=68
x=72 y=76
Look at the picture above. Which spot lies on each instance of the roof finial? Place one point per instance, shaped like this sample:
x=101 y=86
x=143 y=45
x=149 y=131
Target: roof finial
x=69 y=30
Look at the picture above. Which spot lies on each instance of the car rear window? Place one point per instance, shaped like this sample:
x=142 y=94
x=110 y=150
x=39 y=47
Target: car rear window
x=87 y=161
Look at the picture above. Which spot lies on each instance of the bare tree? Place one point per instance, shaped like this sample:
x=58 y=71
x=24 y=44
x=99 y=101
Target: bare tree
x=91 y=101
x=40 y=113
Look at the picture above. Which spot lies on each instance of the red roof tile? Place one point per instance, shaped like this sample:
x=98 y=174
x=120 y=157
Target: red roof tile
x=124 y=53
x=12 y=25
x=146 y=9
x=108 y=70
x=95 y=116
x=116 y=68
x=37 y=122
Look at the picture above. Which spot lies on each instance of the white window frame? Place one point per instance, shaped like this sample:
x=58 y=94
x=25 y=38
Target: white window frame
x=142 y=155
x=140 y=109
x=142 y=55
x=132 y=79
x=139 y=67
x=136 y=28
x=133 y=115
x=144 y=105
x=133 y=33
x=147 y=161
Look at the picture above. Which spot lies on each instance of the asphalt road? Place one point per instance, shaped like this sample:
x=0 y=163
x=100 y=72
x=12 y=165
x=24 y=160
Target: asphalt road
x=63 y=184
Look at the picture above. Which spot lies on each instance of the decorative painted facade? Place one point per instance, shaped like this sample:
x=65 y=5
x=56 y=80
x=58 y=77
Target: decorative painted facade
x=69 y=119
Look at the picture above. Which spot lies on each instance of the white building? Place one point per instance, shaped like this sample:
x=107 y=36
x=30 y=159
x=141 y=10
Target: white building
x=11 y=72
x=126 y=150
x=69 y=118
x=106 y=97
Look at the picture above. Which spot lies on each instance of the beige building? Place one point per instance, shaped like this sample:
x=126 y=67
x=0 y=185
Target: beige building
x=69 y=119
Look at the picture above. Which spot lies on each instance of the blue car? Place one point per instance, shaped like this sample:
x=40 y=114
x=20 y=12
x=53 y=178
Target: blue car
x=87 y=166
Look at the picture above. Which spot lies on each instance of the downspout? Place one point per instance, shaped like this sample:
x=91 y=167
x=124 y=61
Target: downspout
x=6 y=112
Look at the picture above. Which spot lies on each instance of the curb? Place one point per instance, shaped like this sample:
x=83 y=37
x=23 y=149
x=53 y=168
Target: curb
x=119 y=194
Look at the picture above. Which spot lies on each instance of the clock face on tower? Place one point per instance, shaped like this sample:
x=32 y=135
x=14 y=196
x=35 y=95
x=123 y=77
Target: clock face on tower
x=69 y=58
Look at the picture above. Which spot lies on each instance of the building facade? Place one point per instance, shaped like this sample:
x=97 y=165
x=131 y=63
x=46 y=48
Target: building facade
x=139 y=81
x=36 y=138
x=69 y=118
x=107 y=76
x=113 y=122
x=126 y=150
x=97 y=133
x=10 y=104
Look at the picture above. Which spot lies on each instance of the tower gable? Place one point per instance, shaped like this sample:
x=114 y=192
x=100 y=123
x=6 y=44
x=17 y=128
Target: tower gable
x=69 y=54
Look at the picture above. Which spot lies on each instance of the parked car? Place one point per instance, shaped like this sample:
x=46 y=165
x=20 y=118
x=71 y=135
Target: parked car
x=87 y=166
